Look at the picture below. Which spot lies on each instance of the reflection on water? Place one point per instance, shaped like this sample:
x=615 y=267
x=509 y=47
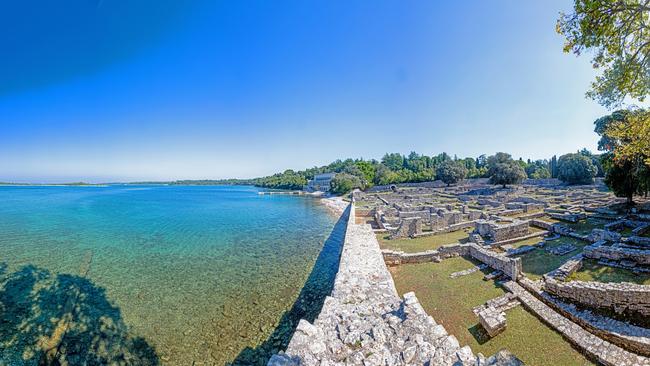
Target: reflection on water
x=170 y=275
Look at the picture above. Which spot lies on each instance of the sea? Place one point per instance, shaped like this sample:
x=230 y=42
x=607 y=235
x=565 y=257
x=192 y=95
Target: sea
x=159 y=274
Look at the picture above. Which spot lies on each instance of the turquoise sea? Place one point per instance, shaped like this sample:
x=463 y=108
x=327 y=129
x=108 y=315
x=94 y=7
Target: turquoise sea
x=154 y=274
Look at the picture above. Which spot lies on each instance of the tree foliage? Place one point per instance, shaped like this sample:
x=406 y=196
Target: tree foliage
x=451 y=172
x=503 y=170
x=344 y=183
x=618 y=34
x=624 y=135
x=576 y=169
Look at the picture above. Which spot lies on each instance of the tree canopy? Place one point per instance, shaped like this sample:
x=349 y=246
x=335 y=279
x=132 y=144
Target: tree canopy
x=618 y=34
x=503 y=170
x=451 y=172
x=576 y=169
x=624 y=134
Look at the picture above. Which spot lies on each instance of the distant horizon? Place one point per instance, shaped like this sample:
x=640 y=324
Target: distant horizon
x=112 y=91
x=96 y=181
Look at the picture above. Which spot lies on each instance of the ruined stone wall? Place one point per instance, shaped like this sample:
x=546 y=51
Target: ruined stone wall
x=510 y=266
x=365 y=322
x=408 y=228
x=617 y=253
x=622 y=298
x=500 y=232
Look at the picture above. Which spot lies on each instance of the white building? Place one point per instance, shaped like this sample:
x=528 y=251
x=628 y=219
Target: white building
x=321 y=182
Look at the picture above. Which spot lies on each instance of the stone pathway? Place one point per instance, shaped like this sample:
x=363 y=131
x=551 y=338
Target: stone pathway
x=605 y=352
x=365 y=322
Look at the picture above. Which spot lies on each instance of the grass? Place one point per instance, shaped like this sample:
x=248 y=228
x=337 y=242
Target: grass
x=450 y=302
x=531 y=241
x=584 y=227
x=423 y=243
x=539 y=261
x=592 y=271
x=627 y=231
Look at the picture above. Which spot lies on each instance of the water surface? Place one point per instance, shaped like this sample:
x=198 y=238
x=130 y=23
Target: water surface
x=158 y=274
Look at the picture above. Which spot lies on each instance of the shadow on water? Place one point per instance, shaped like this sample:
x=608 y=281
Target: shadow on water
x=309 y=303
x=63 y=319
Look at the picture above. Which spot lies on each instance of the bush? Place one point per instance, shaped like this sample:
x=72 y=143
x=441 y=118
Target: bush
x=576 y=169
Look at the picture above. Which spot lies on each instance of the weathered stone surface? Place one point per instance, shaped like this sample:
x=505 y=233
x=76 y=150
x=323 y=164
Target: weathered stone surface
x=622 y=298
x=409 y=228
x=365 y=322
x=497 y=232
x=492 y=320
x=605 y=352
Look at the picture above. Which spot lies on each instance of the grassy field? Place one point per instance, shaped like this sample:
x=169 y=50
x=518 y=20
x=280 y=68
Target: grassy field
x=592 y=271
x=539 y=261
x=584 y=227
x=450 y=302
x=424 y=243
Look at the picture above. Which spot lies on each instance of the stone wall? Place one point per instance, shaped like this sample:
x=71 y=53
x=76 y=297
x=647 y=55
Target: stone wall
x=623 y=298
x=500 y=232
x=618 y=253
x=510 y=266
x=408 y=228
x=365 y=322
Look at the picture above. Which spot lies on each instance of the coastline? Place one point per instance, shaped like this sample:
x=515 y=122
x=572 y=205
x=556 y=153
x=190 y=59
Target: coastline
x=335 y=204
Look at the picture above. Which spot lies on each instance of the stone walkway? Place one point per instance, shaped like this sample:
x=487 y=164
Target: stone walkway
x=365 y=322
x=605 y=352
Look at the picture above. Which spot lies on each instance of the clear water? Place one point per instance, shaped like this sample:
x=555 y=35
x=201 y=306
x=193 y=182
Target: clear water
x=176 y=275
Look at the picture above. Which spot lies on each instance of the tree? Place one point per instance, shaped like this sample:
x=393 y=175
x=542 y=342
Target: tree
x=537 y=170
x=552 y=166
x=618 y=34
x=394 y=161
x=576 y=169
x=451 y=172
x=627 y=161
x=503 y=170
x=629 y=134
x=343 y=183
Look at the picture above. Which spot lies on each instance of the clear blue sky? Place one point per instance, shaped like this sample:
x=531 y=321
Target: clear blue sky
x=108 y=90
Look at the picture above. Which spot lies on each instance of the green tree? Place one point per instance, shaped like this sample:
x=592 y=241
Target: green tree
x=576 y=169
x=344 y=183
x=394 y=161
x=617 y=32
x=537 y=170
x=503 y=170
x=451 y=172
x=627 y=161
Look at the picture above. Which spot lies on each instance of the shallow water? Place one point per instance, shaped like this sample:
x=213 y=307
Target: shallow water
x=159 y=274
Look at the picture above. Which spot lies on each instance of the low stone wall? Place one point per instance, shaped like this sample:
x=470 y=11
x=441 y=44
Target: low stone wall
x=510 y=266
x=541 y=224
x=394 y=258
x=616 y=253
x=623 y=298
x=605 y=352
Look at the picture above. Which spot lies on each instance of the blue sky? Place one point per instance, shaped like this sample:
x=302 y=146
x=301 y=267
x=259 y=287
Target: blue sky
x=112 y=90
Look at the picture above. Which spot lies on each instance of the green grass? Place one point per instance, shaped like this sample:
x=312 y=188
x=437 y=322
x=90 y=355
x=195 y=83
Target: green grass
x=584 y=227
x=423 y=243
x=539 y=261
x=592 y=271
x=627 y=231
x=450 y=302
x=531 y=241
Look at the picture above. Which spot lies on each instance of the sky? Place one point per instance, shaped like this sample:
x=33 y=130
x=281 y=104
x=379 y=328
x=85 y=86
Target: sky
x=117 y=90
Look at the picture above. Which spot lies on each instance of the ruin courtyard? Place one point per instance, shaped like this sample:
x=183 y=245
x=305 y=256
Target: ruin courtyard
x=554 y=274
